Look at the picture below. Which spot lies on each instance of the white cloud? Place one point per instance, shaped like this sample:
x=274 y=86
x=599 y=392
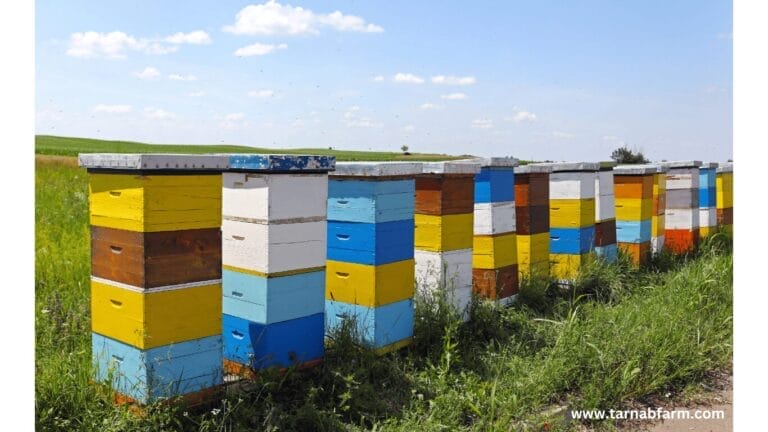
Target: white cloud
x=453 y=80
x=455 y=96
x=112 y=109
x=482 y=123
x=297 y=123
x=258 y=49
x=197 y=37
x=524 y=116
x=112 y=45
x=232 y=121
x=353 y=119
x=272 y=18
x=261 y=94
x=148 y=73
x=234 y=116
x=177 y=77
x=196 y=94
x=430 y=106
x=378 y=78
x=157 y=113
x=408 y=78
x=409 y=128
x=562 y=135
x=610 y=138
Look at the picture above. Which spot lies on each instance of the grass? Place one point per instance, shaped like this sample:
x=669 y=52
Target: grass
x=617 y=335
x=67 y=146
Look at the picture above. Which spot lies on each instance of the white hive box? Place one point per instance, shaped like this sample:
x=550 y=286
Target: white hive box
x=273 y=248
x=605 y=207
x=681 y=219
x=274 y=197
x=572 y=185
x=494 y=218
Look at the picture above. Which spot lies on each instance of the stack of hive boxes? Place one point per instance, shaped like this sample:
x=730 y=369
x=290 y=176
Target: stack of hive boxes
x=494 y=250
x=444 y=229
x=605 y=213
x=707 y=199
x=532 y=220
x=156 y=273
x=659 y=208
x=273 y=253
x=633 y=186
x=370 y=269
x=681 y=218
x=571 y=216
x=725 y=197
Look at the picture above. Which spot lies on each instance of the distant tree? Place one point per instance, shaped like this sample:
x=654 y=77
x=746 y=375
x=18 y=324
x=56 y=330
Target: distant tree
x=404 y=148
x=623 y=155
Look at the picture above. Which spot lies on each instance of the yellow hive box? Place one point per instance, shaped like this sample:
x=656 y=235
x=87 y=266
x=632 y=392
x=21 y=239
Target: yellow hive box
x=724 y=185
x=659 y=184
x=493 y=252
x=631 y=209
x=443 y=233
x=158 y=318
x=155 y=202
x=571 y=213
x=566 y=266
x=533 y=269
x=532 y=248
x=368 y=285
x=657 y=226
x=706 y=231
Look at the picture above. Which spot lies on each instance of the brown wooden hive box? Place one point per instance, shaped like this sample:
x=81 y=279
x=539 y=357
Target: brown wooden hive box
x=156 y=259
x=532 y=219
x=444 y=194
x=495 y=284
x=532 y=189
x=605 y=233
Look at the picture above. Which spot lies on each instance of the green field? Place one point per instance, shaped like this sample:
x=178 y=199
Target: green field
x=66 y=146
x=617 y=336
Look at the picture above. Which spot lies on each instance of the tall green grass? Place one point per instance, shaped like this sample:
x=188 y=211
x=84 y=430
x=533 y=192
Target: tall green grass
x=615 y=335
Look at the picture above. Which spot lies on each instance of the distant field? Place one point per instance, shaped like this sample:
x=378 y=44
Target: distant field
x=66 y=146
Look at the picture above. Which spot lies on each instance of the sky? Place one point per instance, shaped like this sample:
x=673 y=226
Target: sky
x=546 y=80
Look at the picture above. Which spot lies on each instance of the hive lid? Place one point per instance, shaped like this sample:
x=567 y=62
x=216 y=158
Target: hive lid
x=493 y=162
x=681 y=164
x=635 y=169
x=281 y=162
x=725 y=167
x=152 y=161
x=377 y=169
x=708 y=165
x=573 y=166
x=453 y=167
x=533 y=168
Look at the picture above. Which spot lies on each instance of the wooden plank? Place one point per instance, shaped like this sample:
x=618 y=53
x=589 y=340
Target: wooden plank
x=371 y=243
x=572 y=185
x=531 y=189
x=658 y=225
x=281 y=163
x=725 y=216
x=571 y=240
x=444 y=194
x=633 y=186
x=707 y=217
x=368 y=285
x=605 y=233
x=532 y=248
x=355 y=200
x=437 y=271
x=639 y=253
x=682 y=199
x=608 y=252
x=633 y=231
x=683 y=178
x=494 y=185
x=156 y=259
x=632 y=209
x=152 y=161
x=567 y=266
x=605 y=207
x=680 y=241
x=158 y=318
x=685 y=219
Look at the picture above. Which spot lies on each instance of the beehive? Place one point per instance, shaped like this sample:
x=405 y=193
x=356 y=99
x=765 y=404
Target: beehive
x=605 y=213
x=681 y=217
x=443 y=218
x=571 y=216
x=273 y=257
x=707 y=199
x=633 y=188
x=156 y=273
x=494 y=246
x=532 y=219
x=370 y=274
x=659 y=209
x=724 y=183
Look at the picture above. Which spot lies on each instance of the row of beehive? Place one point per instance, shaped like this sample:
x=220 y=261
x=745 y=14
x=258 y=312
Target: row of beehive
x=164 y=220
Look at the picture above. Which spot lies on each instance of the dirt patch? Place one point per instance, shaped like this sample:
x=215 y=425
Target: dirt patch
x=55 y=160
x=716 y=398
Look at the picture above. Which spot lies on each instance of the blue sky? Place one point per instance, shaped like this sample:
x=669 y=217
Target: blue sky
x=536 y=80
